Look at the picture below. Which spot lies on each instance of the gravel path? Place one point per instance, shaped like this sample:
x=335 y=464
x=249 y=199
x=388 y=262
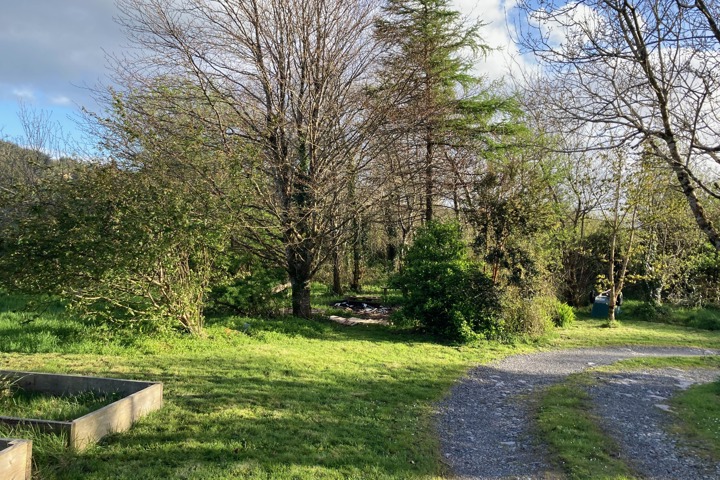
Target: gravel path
x=484 y=423
x=633 y=406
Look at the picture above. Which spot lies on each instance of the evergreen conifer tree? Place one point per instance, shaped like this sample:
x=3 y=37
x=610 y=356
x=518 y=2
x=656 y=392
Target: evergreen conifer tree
x=430 y=51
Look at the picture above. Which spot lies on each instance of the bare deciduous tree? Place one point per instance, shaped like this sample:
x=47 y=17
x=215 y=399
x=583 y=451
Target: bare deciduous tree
x=285 y=79
x=637 y=72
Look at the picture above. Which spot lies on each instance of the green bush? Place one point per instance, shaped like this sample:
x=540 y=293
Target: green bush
x=444 y=292
x=647 y=311
x=123 y=245
x=707 y=318
x=252 y=293
x=525 y=316
x=562 y=314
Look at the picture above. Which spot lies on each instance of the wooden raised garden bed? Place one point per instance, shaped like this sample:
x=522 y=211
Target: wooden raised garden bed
x=15 y=459
x=137 y=400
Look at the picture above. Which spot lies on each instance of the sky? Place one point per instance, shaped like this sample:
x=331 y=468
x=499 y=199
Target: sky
x=51 y=51
x=54 y=51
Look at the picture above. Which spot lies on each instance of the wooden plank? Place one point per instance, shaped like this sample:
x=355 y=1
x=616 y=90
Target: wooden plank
x=48 y=426
x=116 y=417
x=61 y=384
x=139 y=399
x=15 y=459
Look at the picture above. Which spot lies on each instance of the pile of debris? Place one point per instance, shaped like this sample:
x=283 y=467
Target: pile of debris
x=365 y=307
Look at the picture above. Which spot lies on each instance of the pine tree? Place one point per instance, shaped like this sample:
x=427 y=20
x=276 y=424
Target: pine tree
x=429 y=56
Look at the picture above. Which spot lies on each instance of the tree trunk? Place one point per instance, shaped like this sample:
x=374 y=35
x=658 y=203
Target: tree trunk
x=358 y=227
x=301 y=299
x=696 y=207
x=337 y=279
x=357 y=267
x=299 y=266
x=657 y=294
x=611 y=275
x=429 y=180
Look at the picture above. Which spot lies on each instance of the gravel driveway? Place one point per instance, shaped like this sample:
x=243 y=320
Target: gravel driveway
x=484 y=423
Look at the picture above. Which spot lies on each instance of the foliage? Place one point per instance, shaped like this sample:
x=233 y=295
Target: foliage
x=702 y=285
x=252 y=289
x=508 y=206
x=627 y=56
x=311 y=144
x=122 y=244
x=707 y=318
x=561 y=313
x=441 y=119
x=525 y=316
x=582 y=263
x=444 y=292
x=20 y=166
x=648 y=311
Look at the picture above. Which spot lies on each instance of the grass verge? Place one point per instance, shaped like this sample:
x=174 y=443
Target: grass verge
x=273 y=399
x=698 y=412
x=572 y=433
x=565 y=421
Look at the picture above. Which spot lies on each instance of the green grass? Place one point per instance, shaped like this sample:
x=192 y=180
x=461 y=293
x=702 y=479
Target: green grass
x=259 y=398
x=698 y=412
x=583 y=450
x=272 y=399
x=49 y=451
x=580 y=446
x=25 y=404
x=707 y=318
x=591 y=332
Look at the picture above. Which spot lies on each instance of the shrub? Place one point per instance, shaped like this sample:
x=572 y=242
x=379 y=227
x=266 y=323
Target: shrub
x=647 y=311
x=444 y=293
x=704 y=321
x=253 y=291
x=130 y=245
x=525 y=316
x=561 y=313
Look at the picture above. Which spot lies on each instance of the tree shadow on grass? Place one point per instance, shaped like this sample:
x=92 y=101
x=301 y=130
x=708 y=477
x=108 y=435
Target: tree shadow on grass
x=260 y=420
x=319 y=328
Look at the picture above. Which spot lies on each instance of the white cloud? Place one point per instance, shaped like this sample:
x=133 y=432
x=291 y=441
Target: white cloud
x=24 y=94
x=572 y=22
x=55 y=47
x=497 y=34
x=61 y=100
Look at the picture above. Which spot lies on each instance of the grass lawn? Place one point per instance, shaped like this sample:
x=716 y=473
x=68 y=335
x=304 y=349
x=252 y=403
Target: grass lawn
x=698 y=410
x=273 y=399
